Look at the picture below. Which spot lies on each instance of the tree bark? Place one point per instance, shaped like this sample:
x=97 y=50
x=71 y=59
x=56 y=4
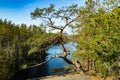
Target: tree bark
x=76 y=63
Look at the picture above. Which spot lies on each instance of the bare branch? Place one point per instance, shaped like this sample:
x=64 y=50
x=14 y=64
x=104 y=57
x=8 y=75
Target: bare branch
x=76 y=63
x=65 y=14
x=66 y=60
x=51 y=22
x=70 y=22
x=43 y=62
x=66 y=20
x=60 y=35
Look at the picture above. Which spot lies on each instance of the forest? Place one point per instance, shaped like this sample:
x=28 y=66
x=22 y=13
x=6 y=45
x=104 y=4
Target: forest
x=95 y=28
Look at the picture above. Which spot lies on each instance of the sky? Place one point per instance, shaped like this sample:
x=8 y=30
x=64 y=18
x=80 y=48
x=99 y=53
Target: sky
x=18 y=11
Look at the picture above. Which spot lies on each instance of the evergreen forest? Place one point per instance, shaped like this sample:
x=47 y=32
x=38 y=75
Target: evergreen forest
x=95 y=27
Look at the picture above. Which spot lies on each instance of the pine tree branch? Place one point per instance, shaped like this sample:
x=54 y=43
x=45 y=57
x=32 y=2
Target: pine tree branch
x=51 y=24
x=67 y=23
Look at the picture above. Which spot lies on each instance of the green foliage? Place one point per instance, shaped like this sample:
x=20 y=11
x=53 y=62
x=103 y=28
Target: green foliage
x=16 y=41
x=98 y=31
x=98 y=37
x=50 y=14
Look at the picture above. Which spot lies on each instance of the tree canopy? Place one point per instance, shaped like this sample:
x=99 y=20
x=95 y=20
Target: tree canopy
x=96 y=27
x=98 y=37
x=21 y=46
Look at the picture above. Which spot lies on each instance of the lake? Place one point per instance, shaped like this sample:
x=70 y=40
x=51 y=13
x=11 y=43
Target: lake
x=47 y=68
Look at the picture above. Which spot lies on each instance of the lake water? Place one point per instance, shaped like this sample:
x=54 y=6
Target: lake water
x=46 y=69
x=58 y=62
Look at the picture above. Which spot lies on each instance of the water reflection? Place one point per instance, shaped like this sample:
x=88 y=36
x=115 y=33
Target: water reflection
x=58 y=62
x=46 y=69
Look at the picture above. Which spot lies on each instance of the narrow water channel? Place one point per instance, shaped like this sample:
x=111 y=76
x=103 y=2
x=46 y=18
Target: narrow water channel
x=47 y=68
x=58 y=62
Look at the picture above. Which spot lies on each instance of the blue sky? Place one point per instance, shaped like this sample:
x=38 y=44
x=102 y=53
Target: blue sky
x=18 y=11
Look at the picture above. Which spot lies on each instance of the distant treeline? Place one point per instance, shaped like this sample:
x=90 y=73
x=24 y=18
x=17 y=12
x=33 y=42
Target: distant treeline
x=17 y=42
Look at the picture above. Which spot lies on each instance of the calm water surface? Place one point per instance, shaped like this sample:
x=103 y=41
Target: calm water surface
x=46 y=69
x=58 y=62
